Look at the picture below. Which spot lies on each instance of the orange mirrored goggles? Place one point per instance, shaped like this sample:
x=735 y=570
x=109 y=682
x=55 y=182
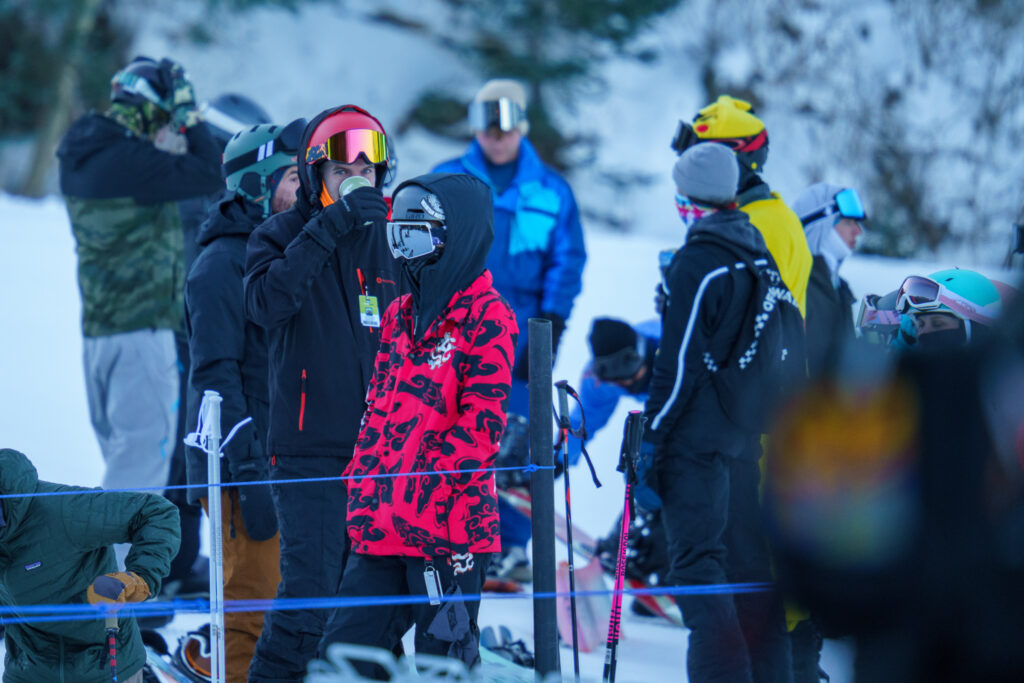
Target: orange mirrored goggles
x=348 y=145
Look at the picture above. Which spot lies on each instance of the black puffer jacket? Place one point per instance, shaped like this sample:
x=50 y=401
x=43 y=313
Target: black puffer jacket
x=305 y=289
x=229 y=353
x=707 y=300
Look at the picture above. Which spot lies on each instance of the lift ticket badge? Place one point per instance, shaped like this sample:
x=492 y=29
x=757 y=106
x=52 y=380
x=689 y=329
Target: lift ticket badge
x=369 y=311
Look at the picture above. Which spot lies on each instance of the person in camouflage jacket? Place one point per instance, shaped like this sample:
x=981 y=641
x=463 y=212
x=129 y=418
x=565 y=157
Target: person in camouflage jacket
x=436 y=404
x=121 y=174
x=53 y=548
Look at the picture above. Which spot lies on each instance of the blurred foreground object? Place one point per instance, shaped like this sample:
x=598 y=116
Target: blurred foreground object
x=896 y=506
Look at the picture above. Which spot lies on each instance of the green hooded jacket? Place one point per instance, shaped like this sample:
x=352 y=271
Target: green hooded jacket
x=51 y=549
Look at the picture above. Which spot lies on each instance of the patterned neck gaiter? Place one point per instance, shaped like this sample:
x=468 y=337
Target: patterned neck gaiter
x=144 y=120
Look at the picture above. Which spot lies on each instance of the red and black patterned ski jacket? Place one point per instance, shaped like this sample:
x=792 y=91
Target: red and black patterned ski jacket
x=435 y=404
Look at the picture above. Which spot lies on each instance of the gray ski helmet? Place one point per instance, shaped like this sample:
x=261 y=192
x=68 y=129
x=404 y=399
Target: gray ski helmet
x=230 y=113
x=253 y=156
x=417 y=203
x=141 y=81
x=413 y=206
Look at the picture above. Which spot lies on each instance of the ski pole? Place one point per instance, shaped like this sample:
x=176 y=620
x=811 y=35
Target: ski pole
x=112 y=631
x=632 y=433
x=210 y=410
x=563 y=425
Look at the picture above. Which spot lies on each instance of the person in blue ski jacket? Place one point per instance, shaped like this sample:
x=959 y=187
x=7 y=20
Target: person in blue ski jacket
x=538 y=253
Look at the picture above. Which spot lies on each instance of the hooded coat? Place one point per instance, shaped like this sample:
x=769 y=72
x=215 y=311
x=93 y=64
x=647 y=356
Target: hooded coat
x=829 y=299
x=707 y=305
x=51 y=550
x=304 y=288
x=121 y=192
x=229 y=355
x=438 y=398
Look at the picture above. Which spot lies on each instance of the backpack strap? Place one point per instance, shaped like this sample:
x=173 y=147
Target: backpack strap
x=753 y=303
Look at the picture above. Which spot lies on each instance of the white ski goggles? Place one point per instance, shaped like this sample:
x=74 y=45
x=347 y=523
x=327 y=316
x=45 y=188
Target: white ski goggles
x=502 y=113
x=925 y=295
x=413 y=239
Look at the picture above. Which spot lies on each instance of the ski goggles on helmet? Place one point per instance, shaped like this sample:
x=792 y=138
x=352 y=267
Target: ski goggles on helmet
x=501 y=113
x=348 y=145
x=413 y=239
x=846 y=204
x=684 y=138
x=135 y=84
x=922 y=294
x=623 y=364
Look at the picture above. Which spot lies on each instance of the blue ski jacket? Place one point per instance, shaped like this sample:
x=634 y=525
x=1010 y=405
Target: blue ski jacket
x=538 y=253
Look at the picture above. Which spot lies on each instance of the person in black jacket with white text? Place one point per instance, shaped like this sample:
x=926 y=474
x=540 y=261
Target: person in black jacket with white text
x=318 y=278
x=703 y=471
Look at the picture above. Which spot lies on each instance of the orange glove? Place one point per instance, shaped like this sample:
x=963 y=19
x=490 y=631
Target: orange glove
x=119 y=587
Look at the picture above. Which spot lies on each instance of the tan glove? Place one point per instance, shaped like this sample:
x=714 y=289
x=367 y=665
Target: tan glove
x=119 y=587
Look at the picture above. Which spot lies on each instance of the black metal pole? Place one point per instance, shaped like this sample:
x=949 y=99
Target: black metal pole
x=542 y=496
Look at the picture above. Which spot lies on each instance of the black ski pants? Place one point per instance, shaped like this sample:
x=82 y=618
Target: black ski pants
x=383 y=625
x=314 y=547
x=712 y=522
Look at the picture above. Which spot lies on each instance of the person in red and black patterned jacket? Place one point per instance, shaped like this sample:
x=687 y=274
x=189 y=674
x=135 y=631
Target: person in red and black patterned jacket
x=437 y=405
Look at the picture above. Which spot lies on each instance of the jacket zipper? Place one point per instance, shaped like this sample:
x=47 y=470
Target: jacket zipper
x=302 y=399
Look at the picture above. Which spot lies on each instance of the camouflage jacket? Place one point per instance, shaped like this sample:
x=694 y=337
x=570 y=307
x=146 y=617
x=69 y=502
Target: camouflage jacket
x=121 y=192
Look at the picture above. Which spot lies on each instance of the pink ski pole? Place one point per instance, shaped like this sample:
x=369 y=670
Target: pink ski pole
x=633 y=432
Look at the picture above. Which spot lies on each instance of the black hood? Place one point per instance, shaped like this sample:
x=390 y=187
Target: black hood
x=733 y=226
x=233 y=215
x=469 y=219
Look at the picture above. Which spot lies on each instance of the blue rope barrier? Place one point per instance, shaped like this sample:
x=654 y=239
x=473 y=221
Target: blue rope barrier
x=525 y=468
x=83 y=612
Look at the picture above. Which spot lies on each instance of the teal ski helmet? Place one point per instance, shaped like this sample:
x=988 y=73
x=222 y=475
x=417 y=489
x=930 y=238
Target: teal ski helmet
x=968 y=295
x=253 y=157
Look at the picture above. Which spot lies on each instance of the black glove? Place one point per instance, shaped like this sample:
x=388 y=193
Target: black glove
x=258 y=511
x=521 y=371
x=181 y=100
x=660 y=299
x=360 y=208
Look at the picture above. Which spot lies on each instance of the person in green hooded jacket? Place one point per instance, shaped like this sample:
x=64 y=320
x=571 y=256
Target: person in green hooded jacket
x=57 y=550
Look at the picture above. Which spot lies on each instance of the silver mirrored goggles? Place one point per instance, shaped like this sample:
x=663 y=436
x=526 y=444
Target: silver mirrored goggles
x=502 y=113
x=412 y=239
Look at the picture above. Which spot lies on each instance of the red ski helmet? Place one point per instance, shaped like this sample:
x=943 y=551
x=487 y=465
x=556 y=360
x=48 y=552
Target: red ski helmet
x=345 y=135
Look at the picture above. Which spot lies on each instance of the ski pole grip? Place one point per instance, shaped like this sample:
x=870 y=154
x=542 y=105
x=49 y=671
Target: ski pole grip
x=633 y=433
x=563 y=403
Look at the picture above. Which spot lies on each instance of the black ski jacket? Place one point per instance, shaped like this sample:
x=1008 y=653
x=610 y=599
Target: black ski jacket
x=101 y=159
x=305 y=289
x=228 y=352
x=707 y=300
x=829 y=318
